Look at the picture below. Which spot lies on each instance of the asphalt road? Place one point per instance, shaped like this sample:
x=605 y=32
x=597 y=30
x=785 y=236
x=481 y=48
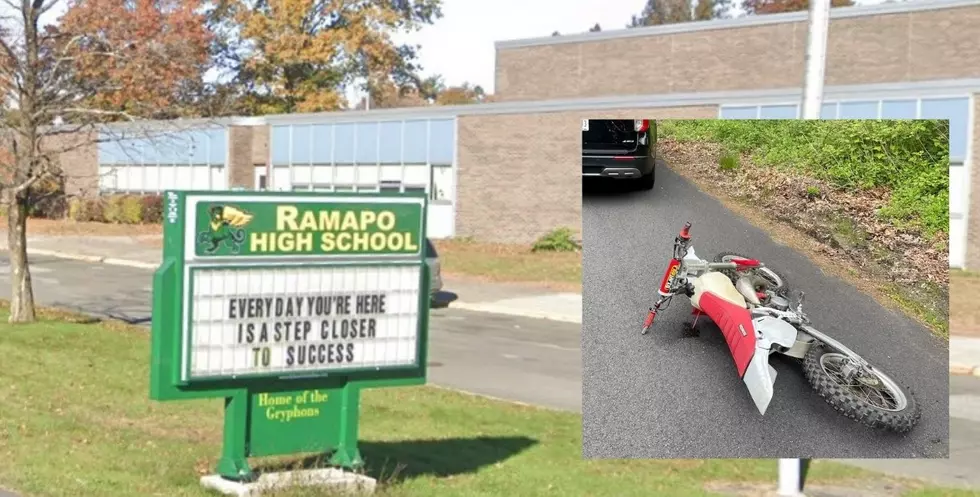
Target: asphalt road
x=672 y=395
x=529 y=360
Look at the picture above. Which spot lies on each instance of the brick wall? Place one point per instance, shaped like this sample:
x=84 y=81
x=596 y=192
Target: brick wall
x=240 y=167
x=520 y=175
x=78 y=159
x=914 y=46
x=973 y=218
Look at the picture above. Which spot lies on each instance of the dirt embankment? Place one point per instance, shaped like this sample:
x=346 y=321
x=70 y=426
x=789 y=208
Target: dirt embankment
x=841 y=224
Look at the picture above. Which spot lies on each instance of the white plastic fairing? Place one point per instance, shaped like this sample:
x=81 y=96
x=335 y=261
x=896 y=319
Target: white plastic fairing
x=759 y=378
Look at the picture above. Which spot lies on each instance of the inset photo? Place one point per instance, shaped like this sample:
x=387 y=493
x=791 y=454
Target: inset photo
x=781 y=290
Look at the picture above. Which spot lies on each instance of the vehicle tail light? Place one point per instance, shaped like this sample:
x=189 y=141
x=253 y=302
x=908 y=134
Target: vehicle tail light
x=641 y=125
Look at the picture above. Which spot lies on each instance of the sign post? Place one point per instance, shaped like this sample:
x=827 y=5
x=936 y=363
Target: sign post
x=791 y=473
x=287 y=305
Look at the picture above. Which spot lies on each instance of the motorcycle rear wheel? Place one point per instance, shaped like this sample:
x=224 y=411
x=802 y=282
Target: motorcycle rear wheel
x=778 y=282
x=878 y=402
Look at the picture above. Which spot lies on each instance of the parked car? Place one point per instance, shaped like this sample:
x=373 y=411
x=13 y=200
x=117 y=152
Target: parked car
x=435 y=267
x=620 y=149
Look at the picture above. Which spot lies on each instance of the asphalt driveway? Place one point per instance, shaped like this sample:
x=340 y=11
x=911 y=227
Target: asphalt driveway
x=672 y=395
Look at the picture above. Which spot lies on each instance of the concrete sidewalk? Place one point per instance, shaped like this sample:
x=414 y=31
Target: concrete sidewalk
x=462 y=293
x=964 y=355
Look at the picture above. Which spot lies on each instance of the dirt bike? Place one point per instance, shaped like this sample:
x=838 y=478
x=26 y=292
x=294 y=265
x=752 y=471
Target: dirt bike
x=749 y=303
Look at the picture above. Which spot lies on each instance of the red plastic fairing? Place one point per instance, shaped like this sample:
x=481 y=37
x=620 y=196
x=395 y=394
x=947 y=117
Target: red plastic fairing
x=741 y=264
x=671 y=271
x=736 y=324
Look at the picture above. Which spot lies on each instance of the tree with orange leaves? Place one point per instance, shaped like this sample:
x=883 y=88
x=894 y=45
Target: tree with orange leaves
x=302 y=54
x=158 y=47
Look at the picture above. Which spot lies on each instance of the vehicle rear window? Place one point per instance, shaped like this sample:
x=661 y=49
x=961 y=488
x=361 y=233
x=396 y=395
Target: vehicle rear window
x=609 y=134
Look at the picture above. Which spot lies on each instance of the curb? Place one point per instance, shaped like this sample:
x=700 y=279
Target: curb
x=112 y=261
x=957 y=369
x=498 y=309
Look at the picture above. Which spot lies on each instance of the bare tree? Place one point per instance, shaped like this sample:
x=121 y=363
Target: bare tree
x=43 y=115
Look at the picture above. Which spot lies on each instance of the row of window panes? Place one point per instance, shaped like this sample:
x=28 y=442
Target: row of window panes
x=390 y=142
x=208 y=146
x=955 y=109
x=140 y=177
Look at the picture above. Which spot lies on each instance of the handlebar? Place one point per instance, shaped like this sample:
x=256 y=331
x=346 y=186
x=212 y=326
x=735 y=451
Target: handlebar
x=686 y=231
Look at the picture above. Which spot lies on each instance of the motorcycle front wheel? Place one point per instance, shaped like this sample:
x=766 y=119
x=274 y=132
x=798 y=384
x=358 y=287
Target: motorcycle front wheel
x=870 y=397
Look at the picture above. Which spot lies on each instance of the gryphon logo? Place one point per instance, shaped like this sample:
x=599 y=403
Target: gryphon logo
x=226 y=226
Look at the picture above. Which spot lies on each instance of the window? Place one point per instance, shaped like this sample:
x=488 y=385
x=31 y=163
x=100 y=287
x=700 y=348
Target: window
x=739 y=112
x=956 y=110
x=322 y=137
x=442 y=141
x=415 y=144
x=390 y=148
x=828 y=111
x=301 y=145
x=858 y=110
x=898 y=109
x=280 y=141
x=778 y=112
x=344 y=138
x=367 y=144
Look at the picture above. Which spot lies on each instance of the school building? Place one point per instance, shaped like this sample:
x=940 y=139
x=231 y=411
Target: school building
x=509 y=171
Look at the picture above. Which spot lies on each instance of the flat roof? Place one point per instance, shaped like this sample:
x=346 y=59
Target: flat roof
x=741 y=22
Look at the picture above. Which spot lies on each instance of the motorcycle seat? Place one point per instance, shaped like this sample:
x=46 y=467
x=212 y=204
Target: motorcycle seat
x=719 y=285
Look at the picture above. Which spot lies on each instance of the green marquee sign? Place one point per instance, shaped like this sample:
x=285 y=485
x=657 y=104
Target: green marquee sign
x=287 y=305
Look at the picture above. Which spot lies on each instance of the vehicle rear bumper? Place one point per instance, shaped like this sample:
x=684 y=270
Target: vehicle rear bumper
x=619 y=168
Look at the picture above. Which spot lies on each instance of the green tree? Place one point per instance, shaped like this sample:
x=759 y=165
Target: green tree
x=657 y=12
x=595 y=29
x=776 y=6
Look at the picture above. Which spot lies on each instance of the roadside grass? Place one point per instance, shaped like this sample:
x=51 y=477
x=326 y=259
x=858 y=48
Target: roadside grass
x=909 y=158
x=67 y=227
x=76 y=420
x=964 y=313
x=510 y=263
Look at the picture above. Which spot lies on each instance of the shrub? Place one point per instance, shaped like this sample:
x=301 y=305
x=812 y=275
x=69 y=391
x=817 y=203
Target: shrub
x=131 y=209
x=558 y=240
x=75 y=207
x=86 y=210
x=813 y=191
x=112 y=212
x=729 y=161
x=152 y=209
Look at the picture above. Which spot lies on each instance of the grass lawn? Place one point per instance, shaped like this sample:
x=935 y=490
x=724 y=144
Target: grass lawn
x=964 y=314
x=511 y=263
x=75 y=420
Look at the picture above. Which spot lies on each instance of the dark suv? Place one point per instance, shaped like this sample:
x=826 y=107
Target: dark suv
x=620 y=148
